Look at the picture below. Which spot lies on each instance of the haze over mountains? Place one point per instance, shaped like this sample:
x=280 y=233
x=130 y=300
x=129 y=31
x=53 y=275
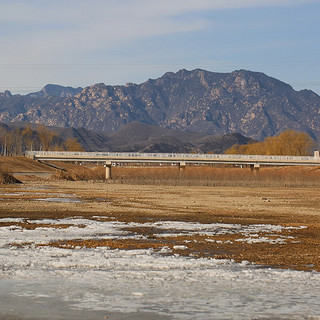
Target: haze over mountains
x=249 y=103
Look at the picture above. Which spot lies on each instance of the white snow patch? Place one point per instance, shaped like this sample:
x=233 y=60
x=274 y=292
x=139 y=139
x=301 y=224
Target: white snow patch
x=148 y=281
x=180 y=247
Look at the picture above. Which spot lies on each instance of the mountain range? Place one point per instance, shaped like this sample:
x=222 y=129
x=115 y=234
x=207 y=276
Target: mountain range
x=250 y=103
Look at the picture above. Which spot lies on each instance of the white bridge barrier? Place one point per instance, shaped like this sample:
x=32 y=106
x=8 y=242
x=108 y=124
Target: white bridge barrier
x=255 y=161
x=171 y=157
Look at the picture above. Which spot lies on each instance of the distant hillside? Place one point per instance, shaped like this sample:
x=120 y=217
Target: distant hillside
x=146 y=138
x=133 y=137
x=250 y=103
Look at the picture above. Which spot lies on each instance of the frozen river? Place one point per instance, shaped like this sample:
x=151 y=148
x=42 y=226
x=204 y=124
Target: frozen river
x=41 y=281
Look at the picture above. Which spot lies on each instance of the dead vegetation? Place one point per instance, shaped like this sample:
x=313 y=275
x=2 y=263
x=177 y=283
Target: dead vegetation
x=195 y=175
x=6 y=176
x=74 y=175
x=289 y=142
x=219 y=176
x=73 y=172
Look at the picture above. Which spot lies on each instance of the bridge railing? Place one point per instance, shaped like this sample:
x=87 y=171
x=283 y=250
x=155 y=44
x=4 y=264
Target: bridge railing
x=191 y=156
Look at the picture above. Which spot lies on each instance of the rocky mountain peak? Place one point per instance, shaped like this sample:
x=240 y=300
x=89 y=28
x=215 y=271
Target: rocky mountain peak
x=251 y=103
x=97 y=91
x=6 y=94
x=56 y=91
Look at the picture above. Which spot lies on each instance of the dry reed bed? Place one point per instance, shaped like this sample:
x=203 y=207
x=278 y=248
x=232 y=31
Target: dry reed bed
x=197 y=175
x=219 y=176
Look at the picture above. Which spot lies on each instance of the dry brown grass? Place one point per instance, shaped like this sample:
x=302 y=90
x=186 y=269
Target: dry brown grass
x=79 y=173
x=23 y=164
x=219 y=176
x=171 y=175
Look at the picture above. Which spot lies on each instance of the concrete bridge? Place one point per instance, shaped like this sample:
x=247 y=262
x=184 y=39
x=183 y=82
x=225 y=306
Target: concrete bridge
x=182 y=159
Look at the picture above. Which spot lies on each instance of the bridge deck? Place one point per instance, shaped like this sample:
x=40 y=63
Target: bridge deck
x=185 y=158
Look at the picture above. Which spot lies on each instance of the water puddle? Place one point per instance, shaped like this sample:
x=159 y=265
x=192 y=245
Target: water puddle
x=61 y=199
x=38 y=187
x=38 y=193
x=14 y=194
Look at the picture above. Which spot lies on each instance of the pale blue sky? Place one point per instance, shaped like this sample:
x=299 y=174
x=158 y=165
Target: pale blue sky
x=82 y=42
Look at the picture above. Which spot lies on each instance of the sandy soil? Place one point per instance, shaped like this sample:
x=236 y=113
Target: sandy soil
x=294 y=207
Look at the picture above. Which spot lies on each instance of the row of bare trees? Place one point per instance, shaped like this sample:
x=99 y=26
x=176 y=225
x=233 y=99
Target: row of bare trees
x=289 y=142
x=15 y=142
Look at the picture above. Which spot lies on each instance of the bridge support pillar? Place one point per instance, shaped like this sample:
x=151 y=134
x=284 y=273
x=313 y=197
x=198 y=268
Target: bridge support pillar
x=255 y=167
x=108 y=165
x=182 y=167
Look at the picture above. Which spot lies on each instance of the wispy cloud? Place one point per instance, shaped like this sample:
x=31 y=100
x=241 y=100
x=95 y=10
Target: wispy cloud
x=44 y=41
x=47 y=30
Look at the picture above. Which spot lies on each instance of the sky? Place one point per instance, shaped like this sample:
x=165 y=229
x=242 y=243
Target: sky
x=83 y=42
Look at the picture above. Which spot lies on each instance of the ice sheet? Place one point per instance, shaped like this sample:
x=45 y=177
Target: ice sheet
x=145 y=281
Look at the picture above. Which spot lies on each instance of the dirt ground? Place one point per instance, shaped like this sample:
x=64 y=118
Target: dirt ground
x=294 y=207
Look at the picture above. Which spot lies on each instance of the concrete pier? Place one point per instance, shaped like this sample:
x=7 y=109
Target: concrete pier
x=108 y=166
x=255 y=167
x=182 y=167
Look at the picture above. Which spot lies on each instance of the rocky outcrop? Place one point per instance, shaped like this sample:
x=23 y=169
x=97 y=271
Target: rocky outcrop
x=56 y=90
